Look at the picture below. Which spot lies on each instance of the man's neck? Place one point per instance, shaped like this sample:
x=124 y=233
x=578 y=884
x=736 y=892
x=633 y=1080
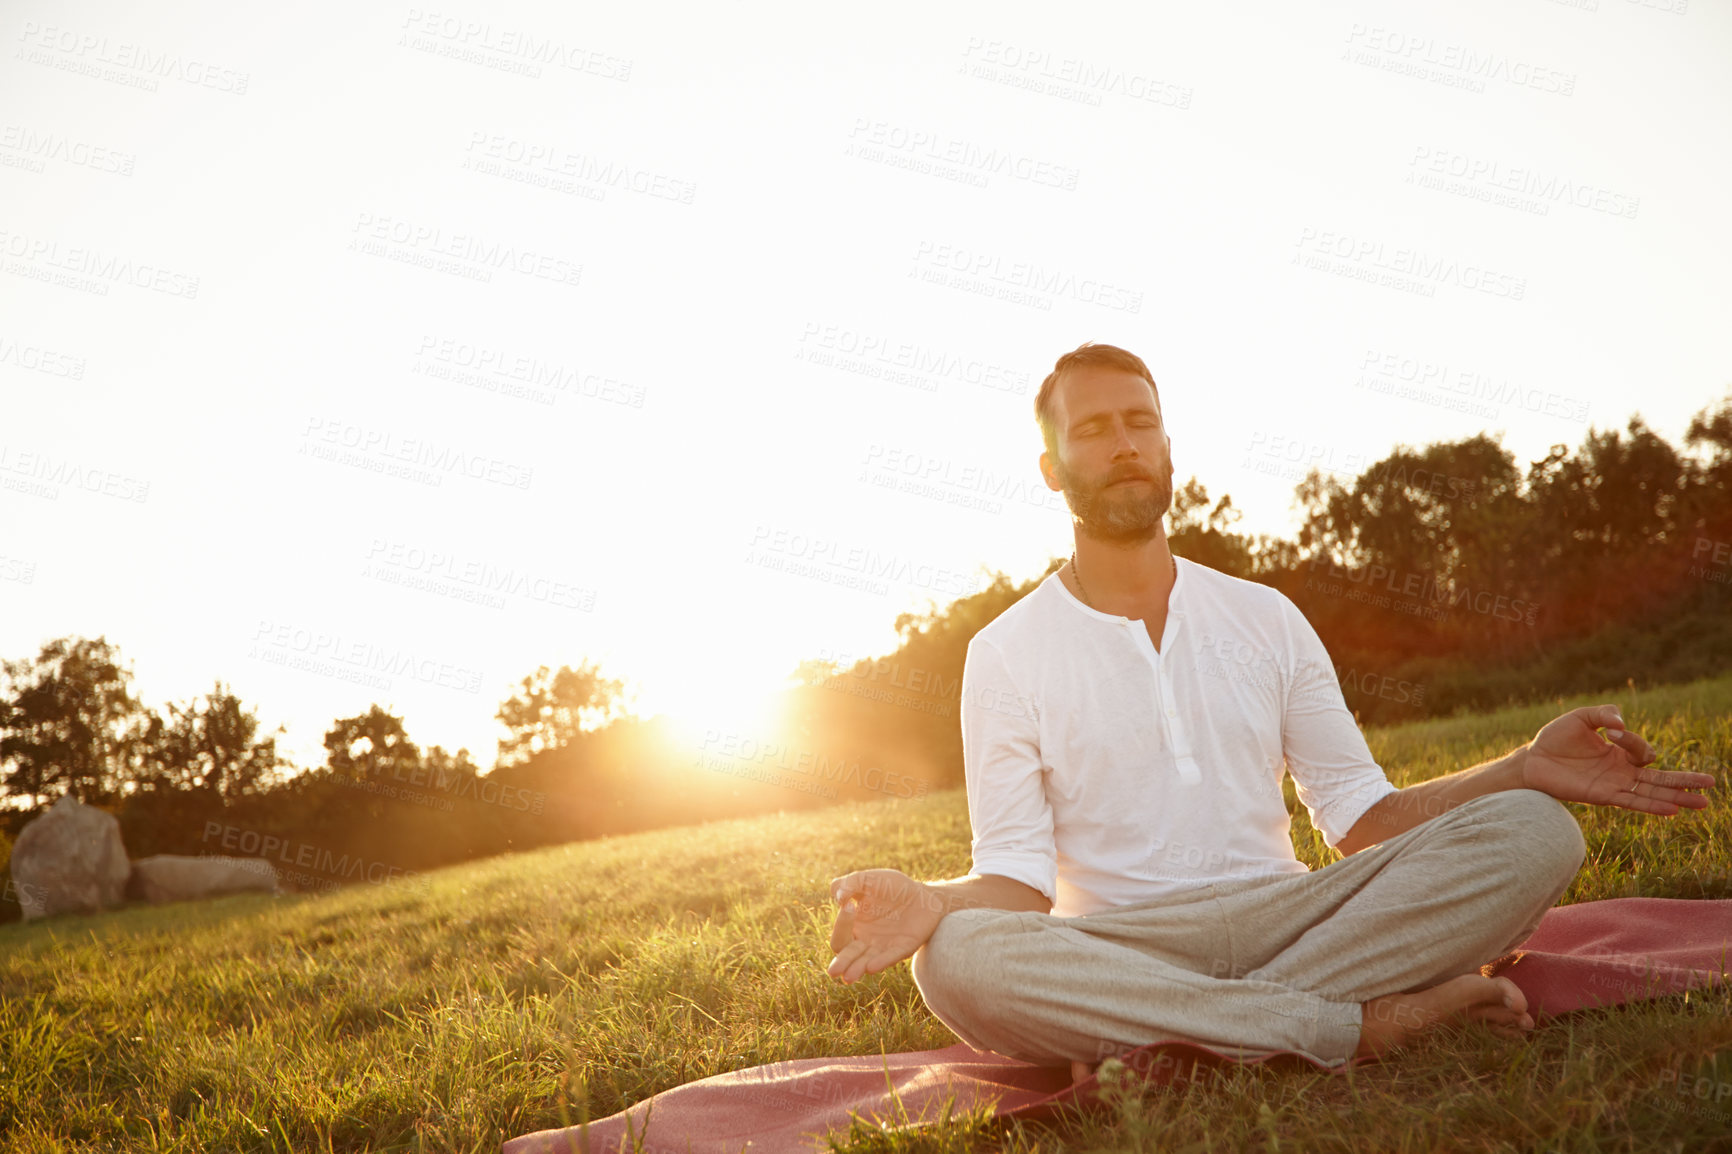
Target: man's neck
x=1125 y=579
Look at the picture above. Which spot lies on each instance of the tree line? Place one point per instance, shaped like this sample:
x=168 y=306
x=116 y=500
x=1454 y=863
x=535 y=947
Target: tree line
x=1441 y=578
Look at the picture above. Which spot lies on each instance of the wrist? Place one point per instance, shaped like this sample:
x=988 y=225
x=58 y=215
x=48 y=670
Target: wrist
x=1516 y=770
x=949 y=895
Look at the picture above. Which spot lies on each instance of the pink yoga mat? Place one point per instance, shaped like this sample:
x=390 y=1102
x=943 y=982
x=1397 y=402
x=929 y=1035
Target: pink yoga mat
x=1582 y=956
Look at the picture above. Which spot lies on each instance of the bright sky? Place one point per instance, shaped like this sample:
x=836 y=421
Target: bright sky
x=383 y=353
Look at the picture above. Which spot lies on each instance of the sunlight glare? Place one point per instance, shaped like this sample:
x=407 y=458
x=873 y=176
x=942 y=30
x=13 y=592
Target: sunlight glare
x=707 y=716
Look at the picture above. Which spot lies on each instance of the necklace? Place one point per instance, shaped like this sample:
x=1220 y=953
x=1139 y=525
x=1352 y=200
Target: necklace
x=1089 y=601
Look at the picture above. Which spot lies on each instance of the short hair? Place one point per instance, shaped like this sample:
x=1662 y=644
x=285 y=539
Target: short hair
x=1086 y=354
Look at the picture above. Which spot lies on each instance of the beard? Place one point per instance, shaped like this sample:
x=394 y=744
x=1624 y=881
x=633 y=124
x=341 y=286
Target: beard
x=1128 y=515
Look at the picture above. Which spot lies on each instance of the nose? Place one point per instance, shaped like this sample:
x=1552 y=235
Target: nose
x=1123 y=445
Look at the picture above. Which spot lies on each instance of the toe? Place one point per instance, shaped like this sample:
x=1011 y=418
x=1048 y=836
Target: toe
x=1512 y=995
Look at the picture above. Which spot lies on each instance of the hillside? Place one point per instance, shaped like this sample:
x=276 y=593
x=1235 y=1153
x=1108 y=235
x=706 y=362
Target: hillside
x=496 y=997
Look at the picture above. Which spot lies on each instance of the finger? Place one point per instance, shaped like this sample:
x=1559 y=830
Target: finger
x=861 y=965
x=843 y=931
x=843 y=886
x=1673 y=787
x=1639 y=751
x=1602 y=716
x=1636 y=749
x=844 y=960
x=1679 y=778
x=883 y=956
x=1670 y=795
x=1643 y=804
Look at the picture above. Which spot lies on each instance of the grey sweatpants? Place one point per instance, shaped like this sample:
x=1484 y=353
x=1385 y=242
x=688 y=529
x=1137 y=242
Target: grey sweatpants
x=1258 y=964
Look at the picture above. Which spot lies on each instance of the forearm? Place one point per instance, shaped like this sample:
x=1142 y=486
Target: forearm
x=1418 y=803
x=986 y=891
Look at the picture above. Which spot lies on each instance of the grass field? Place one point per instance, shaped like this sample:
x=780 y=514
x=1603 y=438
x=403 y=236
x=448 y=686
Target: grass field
x=517 y=993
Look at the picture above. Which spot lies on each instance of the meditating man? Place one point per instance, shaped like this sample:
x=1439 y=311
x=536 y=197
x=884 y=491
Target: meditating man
x=1125 y=731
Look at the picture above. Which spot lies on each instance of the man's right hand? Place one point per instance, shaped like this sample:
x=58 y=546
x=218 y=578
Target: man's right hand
x=885 y=916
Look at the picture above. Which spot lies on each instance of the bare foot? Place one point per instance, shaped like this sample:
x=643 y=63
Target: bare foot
x=1395 y=1019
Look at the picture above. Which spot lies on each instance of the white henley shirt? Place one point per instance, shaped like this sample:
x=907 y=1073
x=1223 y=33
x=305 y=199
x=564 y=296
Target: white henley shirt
x=1102 y=771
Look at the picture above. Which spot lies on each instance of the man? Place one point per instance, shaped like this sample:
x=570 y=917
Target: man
x=1125 y=730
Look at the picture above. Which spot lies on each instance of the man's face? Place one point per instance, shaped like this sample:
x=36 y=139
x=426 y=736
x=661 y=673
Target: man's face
x=1114 y=459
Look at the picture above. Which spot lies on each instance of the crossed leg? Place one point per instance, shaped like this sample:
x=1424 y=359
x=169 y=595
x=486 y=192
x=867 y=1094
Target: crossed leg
x=1336 y=962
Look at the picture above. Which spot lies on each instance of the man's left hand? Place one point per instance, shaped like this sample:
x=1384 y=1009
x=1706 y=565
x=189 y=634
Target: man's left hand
x=1571 y=761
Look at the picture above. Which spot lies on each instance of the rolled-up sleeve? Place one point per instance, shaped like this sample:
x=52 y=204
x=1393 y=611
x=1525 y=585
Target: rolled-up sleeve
x=1333 y=771
x=1007 y=805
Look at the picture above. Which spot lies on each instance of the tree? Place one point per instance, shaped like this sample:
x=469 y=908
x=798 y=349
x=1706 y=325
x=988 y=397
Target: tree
x=1440 y=509
x=68 y=721
x=1204 y=535
x=816 y=671
x=1605 y=519
x=554 y=709
x=1617 y=495
x=447 y=771
x=213 y=745
x=1710 y=434
x=370 y=746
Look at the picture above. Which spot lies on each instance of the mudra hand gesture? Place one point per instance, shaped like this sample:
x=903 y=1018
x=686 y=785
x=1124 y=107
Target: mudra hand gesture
x=885 y=916
x=1570 y=760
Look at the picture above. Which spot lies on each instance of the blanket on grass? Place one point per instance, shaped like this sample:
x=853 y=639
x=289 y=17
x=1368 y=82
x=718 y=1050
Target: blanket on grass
x=1594 y=954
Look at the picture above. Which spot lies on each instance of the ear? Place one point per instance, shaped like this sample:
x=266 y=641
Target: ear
x=1047 y=472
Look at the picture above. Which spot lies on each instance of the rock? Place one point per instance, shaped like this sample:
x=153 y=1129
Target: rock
x=69 y=860
x=172 y=878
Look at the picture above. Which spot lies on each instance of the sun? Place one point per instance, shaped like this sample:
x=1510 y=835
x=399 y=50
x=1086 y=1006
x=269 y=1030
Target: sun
x=718 y=691
x=715 y=715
